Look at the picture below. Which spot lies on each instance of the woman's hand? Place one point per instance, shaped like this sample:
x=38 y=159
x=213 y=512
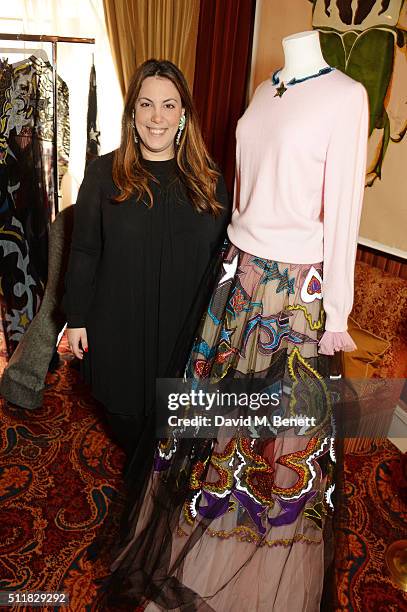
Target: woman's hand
x=78 y=341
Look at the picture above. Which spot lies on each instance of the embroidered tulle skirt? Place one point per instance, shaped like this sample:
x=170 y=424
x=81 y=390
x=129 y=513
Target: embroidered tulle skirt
x=240 y=522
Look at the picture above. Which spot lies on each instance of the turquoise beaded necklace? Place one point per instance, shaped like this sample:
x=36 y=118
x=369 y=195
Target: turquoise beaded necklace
x=283 y=88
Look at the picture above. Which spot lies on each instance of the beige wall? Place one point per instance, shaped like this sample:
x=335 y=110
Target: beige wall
x=274 y=21
x=384 y=217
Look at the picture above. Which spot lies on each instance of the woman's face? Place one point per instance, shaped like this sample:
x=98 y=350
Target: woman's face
x=157 y=113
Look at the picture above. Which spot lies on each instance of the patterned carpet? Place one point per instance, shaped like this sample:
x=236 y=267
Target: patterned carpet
x=59 y=473
x=376 y=517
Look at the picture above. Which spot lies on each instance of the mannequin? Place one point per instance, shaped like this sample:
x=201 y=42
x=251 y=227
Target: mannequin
x=303 y=56
x=251 y=521
x=303 y=61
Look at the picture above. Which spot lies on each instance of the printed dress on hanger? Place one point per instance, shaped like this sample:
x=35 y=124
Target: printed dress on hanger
x=27 y=190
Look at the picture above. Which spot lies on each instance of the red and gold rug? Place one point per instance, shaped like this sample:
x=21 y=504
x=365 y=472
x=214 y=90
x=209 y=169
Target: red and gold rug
x=59 y=473
x=375 y=517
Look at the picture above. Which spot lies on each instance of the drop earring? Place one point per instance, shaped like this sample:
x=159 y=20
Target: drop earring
x=181 y=127
x=134 y=126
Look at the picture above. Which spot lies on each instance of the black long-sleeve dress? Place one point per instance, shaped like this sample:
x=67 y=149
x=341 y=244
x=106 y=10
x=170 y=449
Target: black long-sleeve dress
x=133 y=275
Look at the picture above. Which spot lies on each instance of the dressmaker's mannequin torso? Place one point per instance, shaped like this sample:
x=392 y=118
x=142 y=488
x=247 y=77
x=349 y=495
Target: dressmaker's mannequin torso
x=302 y=56
x=306 y=175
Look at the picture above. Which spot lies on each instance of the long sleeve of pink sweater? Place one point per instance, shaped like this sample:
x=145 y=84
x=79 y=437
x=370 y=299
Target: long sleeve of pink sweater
x=301 y=163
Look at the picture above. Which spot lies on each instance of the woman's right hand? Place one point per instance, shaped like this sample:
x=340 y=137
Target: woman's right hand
x=77 y=341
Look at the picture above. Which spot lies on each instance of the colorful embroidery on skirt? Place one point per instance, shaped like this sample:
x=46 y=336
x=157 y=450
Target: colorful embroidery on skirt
x=263 y=322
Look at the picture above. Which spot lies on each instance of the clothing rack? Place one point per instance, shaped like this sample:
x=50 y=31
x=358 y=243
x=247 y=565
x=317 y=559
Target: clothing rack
x=54 y=40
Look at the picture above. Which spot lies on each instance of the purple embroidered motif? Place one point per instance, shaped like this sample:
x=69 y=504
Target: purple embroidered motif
x=216 y=506
x=253 y=508
x=160 y=464
x=291 y=510
x=314 y=286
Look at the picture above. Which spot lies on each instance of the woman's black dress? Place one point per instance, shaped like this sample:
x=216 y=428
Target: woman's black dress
x=133 y=276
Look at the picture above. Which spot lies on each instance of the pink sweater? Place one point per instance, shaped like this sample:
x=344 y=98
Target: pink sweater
x=301 y=163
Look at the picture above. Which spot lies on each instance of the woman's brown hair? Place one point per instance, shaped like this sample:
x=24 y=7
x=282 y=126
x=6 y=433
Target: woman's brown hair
x=195 y=167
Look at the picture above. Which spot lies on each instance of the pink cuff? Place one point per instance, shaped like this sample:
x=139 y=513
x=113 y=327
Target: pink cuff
x=335 y=341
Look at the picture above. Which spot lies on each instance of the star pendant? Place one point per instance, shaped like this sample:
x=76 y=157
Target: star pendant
x=280 y=90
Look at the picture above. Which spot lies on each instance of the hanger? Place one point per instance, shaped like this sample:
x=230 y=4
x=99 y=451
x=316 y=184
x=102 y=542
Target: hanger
x=38 y=53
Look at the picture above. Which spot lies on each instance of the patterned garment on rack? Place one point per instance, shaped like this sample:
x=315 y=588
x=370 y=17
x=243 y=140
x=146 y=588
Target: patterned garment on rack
x=26 y=186
x=93 y=134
